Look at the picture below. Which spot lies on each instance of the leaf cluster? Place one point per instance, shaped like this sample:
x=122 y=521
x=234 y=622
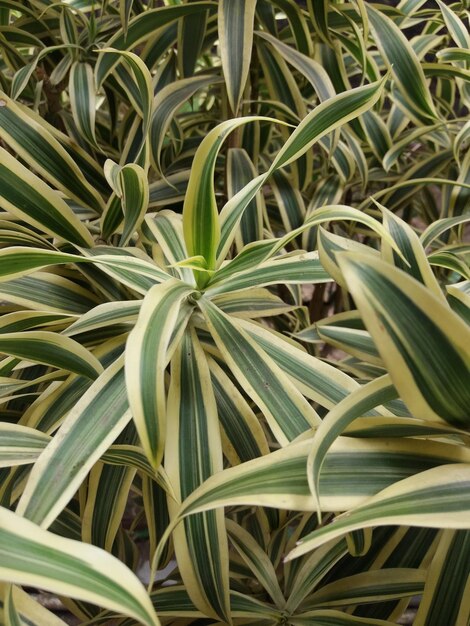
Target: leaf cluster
x=235 y=305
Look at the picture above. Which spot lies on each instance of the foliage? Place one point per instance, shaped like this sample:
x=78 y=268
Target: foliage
x=174 y=178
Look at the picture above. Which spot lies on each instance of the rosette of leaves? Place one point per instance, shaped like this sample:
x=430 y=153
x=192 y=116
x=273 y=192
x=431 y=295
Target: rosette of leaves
x=162 y=377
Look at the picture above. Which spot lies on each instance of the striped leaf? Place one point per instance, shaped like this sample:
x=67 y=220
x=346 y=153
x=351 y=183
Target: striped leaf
x=95 y=421
x=200 y=215
x=371 y=586
x=193 y=453
x=135 y=198
x=286 y=411
x=445 y=594
x=146 y=360
x=243 y=437
x=413 y=261
x=240 y=171
x=312 y=570
x=257 y=560
x=358 y=403
x=326 y=117
x=165 y=104
x=316 y=379
x=29 y=198
x=456 y=27
x=52 y=349
x=30 y=611
x=298 y=268
x=104 y=315
x=311 y=69
x=235 y=27
x=191 y=36
x=136 y=272
x=141 y=28
x=34 y=142
x=106 y=500
x=325 y=617
x=20 y=444
x=19 y=261
x=399 y=55
x=423 y=365
x=38 y=558
x=435 y=498
x=47 y=292
x=354 y=470
x=251 y=303
x=143 y=81
x=83 y=100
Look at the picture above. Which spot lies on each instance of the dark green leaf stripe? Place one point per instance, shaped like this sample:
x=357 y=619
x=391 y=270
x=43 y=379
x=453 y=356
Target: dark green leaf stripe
x=32 y=556
x=26 y=195
x=263 y=380
x=142 y=27
x=302 y=268
x=353 y=471
x=429 y=348
x=51 y=349
x=90 y=427
x=325 y=117
x=236 y=37
x=82 y=99
x=41 y=150
x=194 y=453
x=405 y=65
x=434 y=498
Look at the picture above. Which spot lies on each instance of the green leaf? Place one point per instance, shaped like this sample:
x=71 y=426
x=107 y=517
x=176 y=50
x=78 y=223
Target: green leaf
x=52 y=349
x=28 y=197
x=399 y=55
x=35 y=557
x=34 y=142
x=83 y=100
x=420 y=340
x=287 y=412
x=445 y=594
x=436 y=498
x=135 y=198
x=146 y=360
x=235 y=26
x=142 y=27
x=193 y=453
x=94 y=422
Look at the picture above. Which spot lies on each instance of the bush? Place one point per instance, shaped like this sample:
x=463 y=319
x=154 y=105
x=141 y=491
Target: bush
x=174 y=179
